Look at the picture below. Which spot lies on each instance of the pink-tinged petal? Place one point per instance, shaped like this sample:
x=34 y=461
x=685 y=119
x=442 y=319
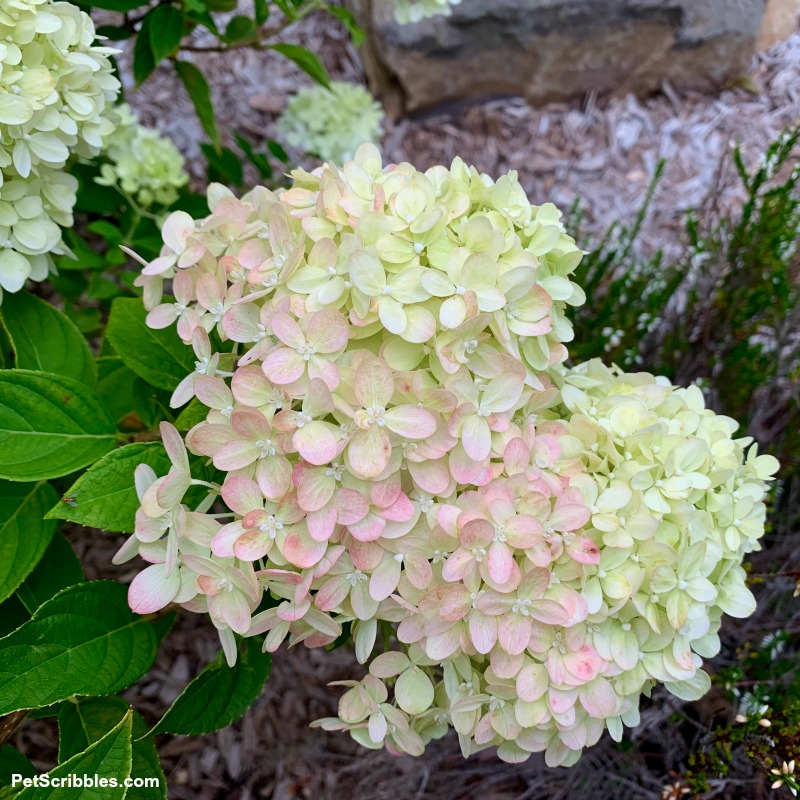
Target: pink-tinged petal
x=513 y=633
x=447 y=516
x=236 y=454
x=316 y=442
x=172 y=488
x=418 y=570
x=251 y=424
x=369 y=451
x=241 y=494
x=516 y=456
x=411 y=422
x=532 y=682
x=274 y=476
x=482 y=631
x=212 y=391
x=546 y=449
x=476 y=533
x=240 y=322
x=599 y=699
x=328 y=331
x=252 y=546
x=351 y=506
x=234 y=610
x=173 y=444
x=224 y=540
x=500 y=562
x=384 y=579
x=301 y=550
x=177 y=228
x=152 y=589
x=317 y=401
x=368 y=529
x=463 y=468
x=402 y=510
x=250 y=386
x=384 y=493
x=373 y=384
x=584 y=550
x=432 y=477
x=443 y=645
x=454 y=603
x=583 y=664
x=206 y=438
x=210 y=291
x=322 y=523
x=332 y=593
x=555 y=666
x=288 y=331
x=561 y=701
x=569 y=517
x=315 y=489
x=162 y=316
x=549 y=612
x=147 y=530
x=523 y=531
x=292 y=612
x=476 y=437
x=284 y=366
x=534 y=583
x=319 y=368
x=457 y=565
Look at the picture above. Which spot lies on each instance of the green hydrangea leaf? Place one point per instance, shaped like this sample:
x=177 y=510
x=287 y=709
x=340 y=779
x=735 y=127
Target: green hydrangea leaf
x=86 y=720
x=219 y=694
x=200 y=94
x=24 y=534
x=45 y=339
x=105 y=496
x=166 y=31
x=109 y=758
x=84 y=641
x=158 y=356
x=306 y=60
x=50 y=425
x=12 y=762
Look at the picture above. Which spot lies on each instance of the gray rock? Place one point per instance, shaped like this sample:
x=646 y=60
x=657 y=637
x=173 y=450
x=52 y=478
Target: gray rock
x=548 y=50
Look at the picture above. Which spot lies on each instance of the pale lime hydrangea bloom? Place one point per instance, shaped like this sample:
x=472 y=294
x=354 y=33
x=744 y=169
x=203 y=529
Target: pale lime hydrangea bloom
x=144 y=164
x=401 y=443
x=332 y=124
x=56 y=89
x=408 y=12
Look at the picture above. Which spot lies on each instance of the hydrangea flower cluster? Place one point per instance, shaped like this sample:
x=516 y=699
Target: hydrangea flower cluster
x=332 y=123
x=145 y=165
x=55 y=90
x=402 y=451
x=408 y=12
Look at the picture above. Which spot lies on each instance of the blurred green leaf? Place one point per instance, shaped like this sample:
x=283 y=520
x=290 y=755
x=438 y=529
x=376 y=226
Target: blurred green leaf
x=200 y=94
x=306 y=60
x=166 y=31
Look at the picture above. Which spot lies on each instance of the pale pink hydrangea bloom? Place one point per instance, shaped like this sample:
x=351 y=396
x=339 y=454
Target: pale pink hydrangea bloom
x=398 y=441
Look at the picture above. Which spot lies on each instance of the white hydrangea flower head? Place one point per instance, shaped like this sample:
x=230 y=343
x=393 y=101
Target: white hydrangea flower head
x=400 y=442
x=56 y=92
x=332 y=124
x=145 y=165
x=408 y=12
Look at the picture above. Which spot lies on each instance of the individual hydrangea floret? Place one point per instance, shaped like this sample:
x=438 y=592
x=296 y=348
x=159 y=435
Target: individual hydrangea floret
x=144 y=165
x=332 y=123
x=56 y=89
x=397 y=440
x=408 y=12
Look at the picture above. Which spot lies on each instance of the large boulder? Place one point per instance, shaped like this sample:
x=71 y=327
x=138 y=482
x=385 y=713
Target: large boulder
x=555 y=49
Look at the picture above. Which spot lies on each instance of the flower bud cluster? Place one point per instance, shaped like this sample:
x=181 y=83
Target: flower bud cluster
x=332 y=123
x=56 y=89
x=144 y=165
x=400 y=443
